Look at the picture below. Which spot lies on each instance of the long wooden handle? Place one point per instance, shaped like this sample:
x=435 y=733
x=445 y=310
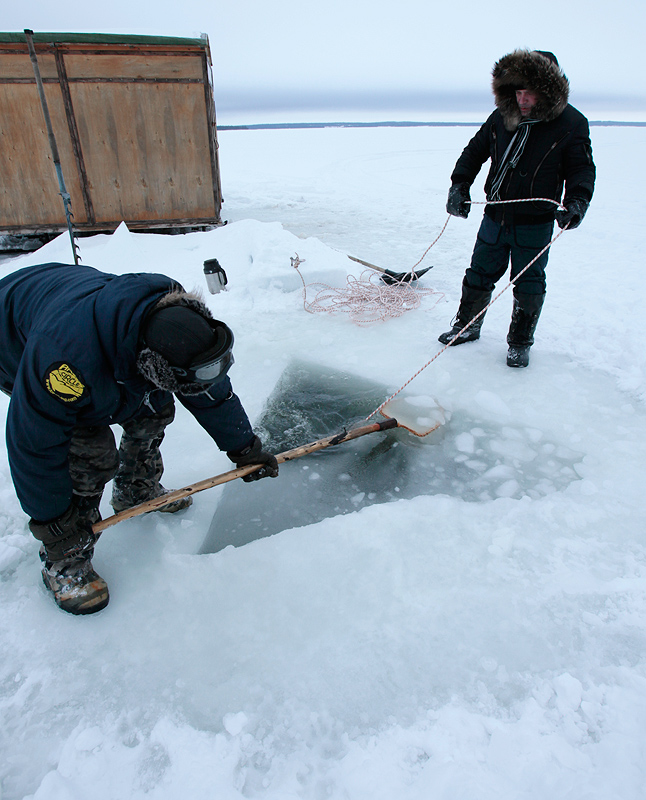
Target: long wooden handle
x=240 y=472
x=368 y=264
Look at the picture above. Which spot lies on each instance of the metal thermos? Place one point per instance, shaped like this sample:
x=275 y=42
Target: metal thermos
x=216 y=277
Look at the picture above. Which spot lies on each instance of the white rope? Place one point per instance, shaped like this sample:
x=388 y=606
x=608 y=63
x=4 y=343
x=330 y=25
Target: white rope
x=366 y=299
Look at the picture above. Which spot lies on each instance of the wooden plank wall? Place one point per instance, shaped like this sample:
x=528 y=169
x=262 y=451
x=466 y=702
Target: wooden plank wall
x=134 y=130
x=29 y=192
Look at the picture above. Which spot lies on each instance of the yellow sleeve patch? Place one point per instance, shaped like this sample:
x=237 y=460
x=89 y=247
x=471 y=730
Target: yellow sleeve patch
x=64 y=382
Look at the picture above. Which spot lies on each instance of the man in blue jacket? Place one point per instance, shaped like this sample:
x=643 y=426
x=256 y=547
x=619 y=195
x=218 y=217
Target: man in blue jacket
x=84 y=350
x=537 y=142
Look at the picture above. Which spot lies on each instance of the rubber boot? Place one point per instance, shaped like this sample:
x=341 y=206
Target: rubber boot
x=472 y=302
x=524 y=319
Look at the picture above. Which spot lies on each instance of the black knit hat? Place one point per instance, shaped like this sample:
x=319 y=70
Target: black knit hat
x=179 y=334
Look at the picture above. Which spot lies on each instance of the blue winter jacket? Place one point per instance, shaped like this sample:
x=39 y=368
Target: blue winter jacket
x=69 y=343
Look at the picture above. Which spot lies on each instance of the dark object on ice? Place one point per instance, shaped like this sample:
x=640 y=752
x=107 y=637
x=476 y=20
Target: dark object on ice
x=391 y=278
x=14 y=244
x=517 y=356
x=216 y=277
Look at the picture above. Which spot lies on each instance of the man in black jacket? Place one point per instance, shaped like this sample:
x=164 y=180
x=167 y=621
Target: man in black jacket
x=83 y=350
x=537 y=142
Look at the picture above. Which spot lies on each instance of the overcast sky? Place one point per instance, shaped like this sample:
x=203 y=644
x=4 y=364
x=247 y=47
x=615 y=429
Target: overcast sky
x=307 y=50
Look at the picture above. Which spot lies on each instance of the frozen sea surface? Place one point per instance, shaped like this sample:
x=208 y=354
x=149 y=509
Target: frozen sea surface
x=478 y=634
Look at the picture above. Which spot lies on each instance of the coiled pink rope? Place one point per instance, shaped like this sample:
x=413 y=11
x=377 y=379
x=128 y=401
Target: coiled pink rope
x=366 y=299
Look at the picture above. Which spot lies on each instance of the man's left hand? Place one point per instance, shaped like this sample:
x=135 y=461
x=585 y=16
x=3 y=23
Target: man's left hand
x=254 y=454
x=573 y=214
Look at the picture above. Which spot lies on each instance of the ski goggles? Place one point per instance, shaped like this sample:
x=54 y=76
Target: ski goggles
x=213 y=365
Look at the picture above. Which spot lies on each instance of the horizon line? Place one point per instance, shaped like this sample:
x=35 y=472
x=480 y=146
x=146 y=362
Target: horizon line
x=397 y=124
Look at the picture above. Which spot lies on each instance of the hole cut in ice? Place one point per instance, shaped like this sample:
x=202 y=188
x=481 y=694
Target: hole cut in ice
x=466 y=457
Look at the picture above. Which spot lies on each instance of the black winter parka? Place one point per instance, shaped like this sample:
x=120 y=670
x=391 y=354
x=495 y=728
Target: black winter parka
x=558 y=151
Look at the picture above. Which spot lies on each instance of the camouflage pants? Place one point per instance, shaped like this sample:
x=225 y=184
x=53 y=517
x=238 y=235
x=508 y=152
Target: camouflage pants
x=136 y=467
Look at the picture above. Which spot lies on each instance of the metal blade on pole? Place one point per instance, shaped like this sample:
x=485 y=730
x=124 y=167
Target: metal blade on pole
x=52 y=142
x=391 y=278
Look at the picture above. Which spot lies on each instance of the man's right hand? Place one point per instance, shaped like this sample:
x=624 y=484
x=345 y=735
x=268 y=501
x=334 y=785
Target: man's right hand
x=255 y=454
x=459 y=200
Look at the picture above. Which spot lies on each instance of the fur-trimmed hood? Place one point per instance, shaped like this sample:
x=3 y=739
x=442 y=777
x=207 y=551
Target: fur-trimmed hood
x=536 y=70
x=178 y=297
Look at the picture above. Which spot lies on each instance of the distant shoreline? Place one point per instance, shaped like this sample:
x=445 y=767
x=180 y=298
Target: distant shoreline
x=396 y=124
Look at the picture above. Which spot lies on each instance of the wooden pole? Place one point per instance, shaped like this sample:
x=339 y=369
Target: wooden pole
x=231 y=475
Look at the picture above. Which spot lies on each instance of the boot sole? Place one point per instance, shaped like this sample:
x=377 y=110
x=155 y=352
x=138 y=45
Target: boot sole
x=446 y=339
x=519 y=359
x=90 y=607
x=517 y=364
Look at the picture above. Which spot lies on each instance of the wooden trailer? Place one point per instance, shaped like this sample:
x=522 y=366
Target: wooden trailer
x=134 y=122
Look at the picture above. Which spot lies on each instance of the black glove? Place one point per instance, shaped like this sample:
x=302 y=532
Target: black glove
x=254 y=454
x=67 y=536
x=459 y=201
x=575 y=209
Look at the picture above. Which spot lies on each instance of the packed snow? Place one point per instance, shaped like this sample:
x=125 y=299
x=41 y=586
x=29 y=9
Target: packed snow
x=483 y=638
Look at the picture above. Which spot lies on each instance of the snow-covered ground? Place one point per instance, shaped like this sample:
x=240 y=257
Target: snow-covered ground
x=453 y=645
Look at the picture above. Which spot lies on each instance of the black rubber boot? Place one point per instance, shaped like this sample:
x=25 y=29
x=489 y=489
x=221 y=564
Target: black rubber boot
x=472 y=302
x=524 y=319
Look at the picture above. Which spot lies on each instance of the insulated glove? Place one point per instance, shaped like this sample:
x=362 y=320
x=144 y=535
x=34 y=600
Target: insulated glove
x=459 y=201
x=66 y=536
x=574 y=212
x=254 y=454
